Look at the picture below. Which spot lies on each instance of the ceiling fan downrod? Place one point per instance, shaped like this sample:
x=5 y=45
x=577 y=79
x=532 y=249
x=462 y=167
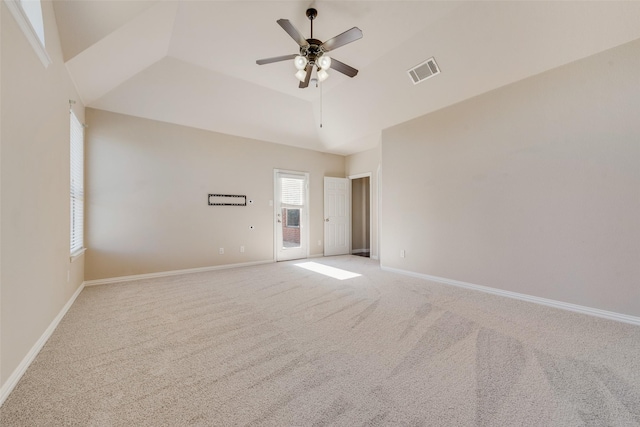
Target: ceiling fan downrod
x=311 y=14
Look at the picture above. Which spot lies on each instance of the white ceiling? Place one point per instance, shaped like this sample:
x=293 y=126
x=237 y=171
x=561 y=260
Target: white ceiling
x=193 y=62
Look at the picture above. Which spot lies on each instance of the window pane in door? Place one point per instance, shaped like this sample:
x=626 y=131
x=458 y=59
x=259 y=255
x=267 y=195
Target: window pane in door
x=291 y=227
x=293 y=217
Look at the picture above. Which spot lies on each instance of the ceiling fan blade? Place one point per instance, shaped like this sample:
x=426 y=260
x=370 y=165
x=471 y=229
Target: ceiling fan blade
x=305 y=83
x=292 y=31
x=341 y=39
x=275 y=59
x=343 y=68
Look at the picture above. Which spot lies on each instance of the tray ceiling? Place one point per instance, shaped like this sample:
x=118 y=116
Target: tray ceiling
x=193 y=62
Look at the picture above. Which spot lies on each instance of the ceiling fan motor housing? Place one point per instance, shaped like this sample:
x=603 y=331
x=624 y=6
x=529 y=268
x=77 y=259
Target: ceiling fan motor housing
x=312 y=51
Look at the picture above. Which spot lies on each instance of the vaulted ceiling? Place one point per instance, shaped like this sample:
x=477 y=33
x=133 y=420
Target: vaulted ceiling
x=194 y=62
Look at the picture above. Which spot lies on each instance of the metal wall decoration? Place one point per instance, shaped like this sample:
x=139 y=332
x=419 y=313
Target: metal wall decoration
x=227 y=200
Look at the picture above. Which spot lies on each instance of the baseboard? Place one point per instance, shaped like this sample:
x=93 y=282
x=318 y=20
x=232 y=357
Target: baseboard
x=118 y=279
x=619 y=317
x=374 y=257
x=15 y=376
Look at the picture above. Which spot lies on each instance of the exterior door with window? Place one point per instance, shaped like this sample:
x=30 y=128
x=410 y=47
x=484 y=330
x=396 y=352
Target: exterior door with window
x=291 y=215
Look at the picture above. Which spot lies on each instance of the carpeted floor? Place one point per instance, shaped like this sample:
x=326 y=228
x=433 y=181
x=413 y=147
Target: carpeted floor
x=279 y=345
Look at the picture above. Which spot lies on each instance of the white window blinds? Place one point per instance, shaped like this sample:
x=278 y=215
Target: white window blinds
x=293 y=191
x=77 y=184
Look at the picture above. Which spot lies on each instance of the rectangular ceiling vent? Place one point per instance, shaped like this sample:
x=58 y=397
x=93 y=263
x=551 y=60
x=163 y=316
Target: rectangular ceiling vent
x=423 y=71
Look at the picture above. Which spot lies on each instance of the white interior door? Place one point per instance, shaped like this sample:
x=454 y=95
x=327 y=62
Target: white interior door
x=291 y=215
x=337 y=216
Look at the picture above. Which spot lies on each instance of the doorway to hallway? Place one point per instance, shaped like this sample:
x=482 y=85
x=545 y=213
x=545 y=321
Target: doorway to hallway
x=361 y=215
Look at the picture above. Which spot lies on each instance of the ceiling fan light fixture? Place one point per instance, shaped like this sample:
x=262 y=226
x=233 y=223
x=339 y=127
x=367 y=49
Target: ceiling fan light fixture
x=322 y=75
x=301 y=75
x=311 y=54
x=300 y=62
x=324 y=62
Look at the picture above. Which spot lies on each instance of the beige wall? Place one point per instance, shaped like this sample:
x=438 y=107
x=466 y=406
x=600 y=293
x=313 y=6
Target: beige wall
x=34 y=172
x=368 y=162
x=532 y=188
x=147 y=186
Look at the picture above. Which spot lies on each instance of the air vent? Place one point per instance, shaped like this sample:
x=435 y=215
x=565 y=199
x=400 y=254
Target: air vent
x=423 y=71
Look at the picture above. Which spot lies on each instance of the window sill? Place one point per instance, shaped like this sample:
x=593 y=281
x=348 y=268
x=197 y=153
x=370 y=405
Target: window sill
x=77 y=254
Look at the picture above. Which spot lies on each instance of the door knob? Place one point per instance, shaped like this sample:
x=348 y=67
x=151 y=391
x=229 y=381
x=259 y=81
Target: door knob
x=326 y=220
x=279 y=220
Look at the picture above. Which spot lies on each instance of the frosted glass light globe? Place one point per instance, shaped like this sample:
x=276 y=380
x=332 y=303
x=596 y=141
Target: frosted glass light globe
x=322 y=75
x=301 y=75
x=300 y=62
x=324 y=62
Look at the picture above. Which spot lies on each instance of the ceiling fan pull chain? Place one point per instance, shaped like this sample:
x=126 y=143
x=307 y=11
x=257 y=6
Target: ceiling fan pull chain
x=320 y=83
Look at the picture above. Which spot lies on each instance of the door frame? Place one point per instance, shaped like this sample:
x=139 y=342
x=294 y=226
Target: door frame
x=351 y=178
x=275 y=210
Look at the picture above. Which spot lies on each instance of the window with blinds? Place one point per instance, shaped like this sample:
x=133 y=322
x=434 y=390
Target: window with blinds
x=292 y=191
x=77 y=184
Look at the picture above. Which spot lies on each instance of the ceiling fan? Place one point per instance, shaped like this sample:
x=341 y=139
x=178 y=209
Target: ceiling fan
x=313 y=52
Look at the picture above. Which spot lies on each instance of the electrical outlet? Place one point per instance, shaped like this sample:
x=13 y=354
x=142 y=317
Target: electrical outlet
x=401 y=253
x=241 y=249
x=221 y=251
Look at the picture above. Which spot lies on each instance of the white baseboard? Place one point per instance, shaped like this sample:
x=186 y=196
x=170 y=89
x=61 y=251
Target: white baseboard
x=15 y=376
x=374 y=257
x=170 y=273
x=619 y=317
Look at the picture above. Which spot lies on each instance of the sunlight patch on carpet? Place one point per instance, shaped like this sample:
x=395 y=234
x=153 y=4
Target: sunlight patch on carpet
x=336 y=273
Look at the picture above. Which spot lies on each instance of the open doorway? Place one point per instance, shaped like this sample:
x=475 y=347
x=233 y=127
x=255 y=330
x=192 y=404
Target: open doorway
x=361 y=215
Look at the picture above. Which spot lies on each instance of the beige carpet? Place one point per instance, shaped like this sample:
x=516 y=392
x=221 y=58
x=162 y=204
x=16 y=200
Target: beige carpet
x=279 y=345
